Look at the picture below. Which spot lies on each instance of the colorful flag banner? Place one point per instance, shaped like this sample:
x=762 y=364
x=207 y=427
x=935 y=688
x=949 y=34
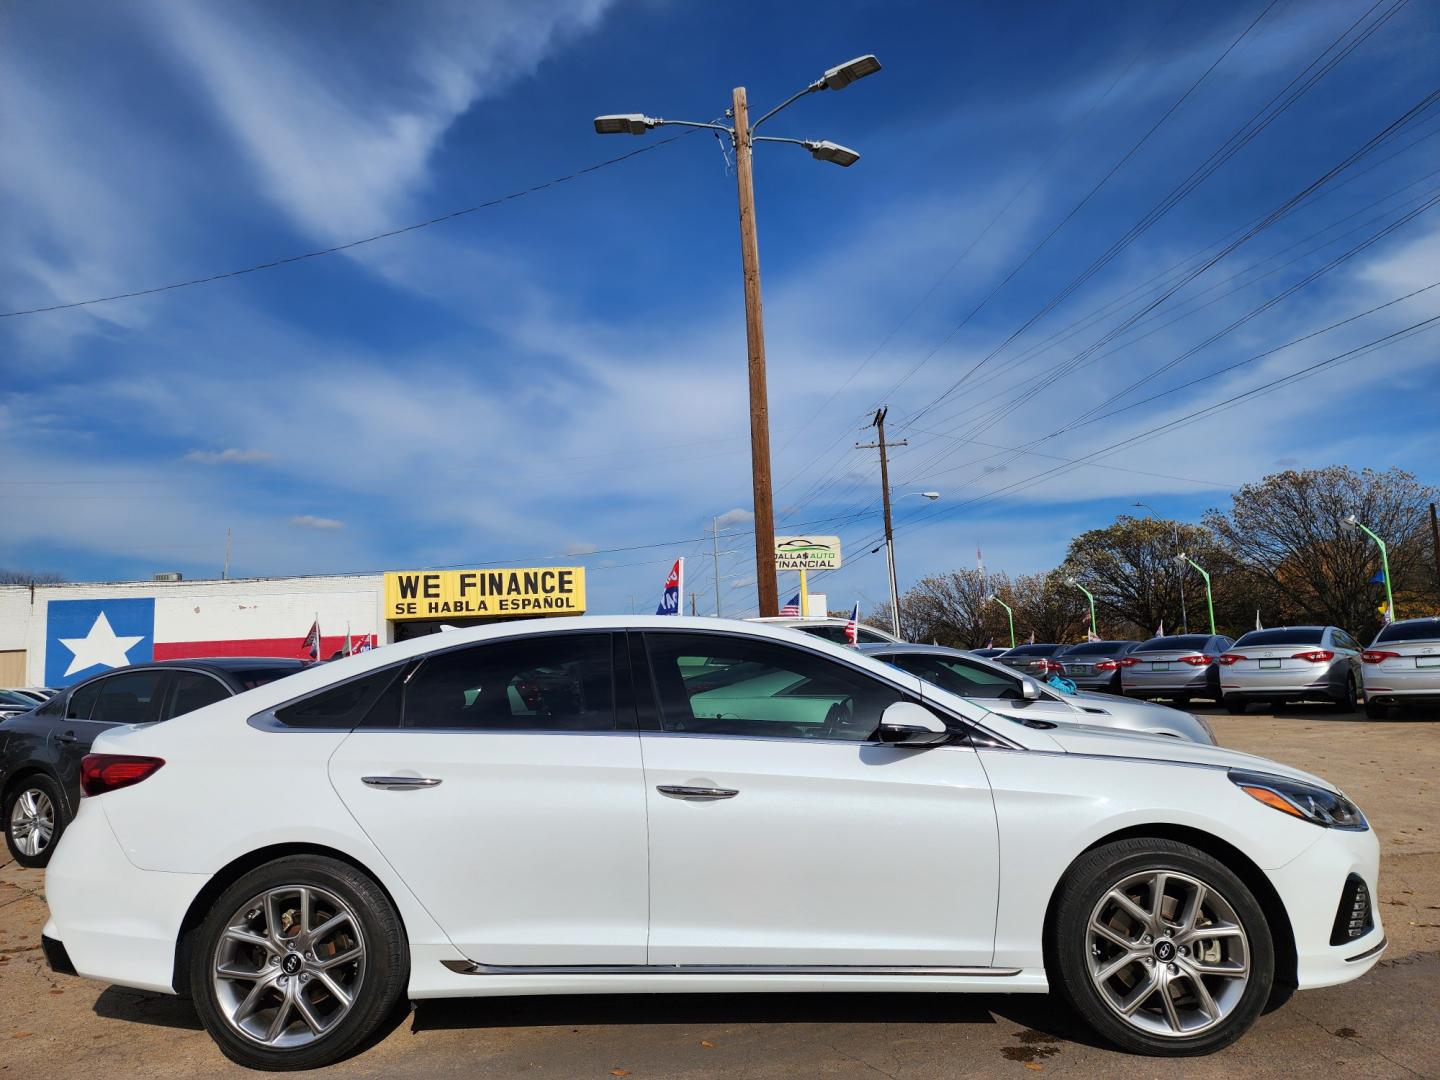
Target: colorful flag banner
x=311 y=644
x=674 y=589
x=852 y=627
x=792 y=607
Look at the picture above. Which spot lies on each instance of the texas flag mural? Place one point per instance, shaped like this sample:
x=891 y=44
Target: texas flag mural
x=87 y=637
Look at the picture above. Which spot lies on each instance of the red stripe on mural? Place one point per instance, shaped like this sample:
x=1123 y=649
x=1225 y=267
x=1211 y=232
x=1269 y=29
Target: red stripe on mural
x=291 y=647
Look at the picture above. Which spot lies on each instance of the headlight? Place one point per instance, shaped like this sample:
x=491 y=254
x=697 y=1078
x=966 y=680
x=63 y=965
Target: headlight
x=1314 y=804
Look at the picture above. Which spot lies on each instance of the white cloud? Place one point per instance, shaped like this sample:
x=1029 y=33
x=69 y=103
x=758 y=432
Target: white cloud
x=738 y=516
x=230 y=456
x=310 y=521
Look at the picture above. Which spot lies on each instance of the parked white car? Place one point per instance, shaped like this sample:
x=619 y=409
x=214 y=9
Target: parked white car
x=653 y=804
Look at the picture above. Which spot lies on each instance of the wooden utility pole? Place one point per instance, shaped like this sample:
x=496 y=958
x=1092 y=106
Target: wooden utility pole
x=766 y=586
x=1435 y=540
x=880 y=444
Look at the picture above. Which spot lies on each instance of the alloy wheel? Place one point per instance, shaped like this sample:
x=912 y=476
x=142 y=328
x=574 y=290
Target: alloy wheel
x=1167 y=953
x=32 y=822
x=289 y=966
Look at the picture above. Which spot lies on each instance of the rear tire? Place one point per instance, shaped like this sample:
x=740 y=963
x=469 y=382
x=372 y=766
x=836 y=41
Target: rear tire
x=1215 y=988
x=1236 y=706
x=299 y=963
x=1351 y=701
x=34 y=816
x=1377 y=710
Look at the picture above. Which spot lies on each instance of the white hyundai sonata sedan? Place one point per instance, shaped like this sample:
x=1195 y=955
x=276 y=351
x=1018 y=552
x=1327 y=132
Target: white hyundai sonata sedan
x=615 y=805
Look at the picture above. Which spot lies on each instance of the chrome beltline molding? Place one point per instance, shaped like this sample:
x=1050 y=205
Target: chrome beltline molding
x=471 y=967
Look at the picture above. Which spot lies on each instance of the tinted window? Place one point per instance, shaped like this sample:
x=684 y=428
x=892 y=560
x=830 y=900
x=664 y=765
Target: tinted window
x=559 y=683
x=1288 y=635
x=1032 y=650
x=1099 y=648
x=827 y=631
x=341 y=707
x=9 y=697
x=1179 y=641
x=133 y=697
x=957 y=676
x=1414 y=630
x=82 y=701
x=712 y=684
x=250 y=678
x=54 y=707
x=194 y=690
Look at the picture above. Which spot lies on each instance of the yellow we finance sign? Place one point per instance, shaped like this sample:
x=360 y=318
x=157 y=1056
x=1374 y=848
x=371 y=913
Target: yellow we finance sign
x=437 y=594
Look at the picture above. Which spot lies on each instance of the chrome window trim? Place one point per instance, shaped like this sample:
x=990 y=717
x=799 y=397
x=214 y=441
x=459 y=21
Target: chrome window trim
x=473 y=967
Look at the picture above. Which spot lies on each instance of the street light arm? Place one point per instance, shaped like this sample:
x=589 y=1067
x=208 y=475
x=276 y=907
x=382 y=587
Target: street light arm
x=818 y=84
x=691 y=124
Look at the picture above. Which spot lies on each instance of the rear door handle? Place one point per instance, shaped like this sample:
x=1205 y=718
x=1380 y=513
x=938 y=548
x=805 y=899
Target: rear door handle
x=68 y=737
x=697 y=794
x=399 y=783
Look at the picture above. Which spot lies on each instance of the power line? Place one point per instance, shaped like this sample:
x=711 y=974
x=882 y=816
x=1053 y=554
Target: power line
x=388 y=234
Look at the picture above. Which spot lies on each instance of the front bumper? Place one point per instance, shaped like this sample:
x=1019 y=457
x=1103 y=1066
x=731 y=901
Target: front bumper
x=1311 y=886
x=126 y=932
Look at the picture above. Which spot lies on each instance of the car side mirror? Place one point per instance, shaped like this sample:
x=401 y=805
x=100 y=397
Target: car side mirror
x=1031 y=689
x=906 y=724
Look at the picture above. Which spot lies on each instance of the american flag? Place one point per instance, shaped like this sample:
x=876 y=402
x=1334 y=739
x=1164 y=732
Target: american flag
x=852 y=627
x=792 y=606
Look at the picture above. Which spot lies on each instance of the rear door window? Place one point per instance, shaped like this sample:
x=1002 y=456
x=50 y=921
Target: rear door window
x=132 y=697
x=82 y=700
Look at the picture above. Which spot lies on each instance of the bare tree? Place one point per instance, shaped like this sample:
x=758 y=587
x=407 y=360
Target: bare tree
x=30 y=577
x=1285 y=536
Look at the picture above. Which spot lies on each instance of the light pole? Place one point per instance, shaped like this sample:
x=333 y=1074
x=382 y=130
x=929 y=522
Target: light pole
x=1091 y=597
x=1351 y=521
x=1180 y=561
x=1180 y=577
x=890 y=558
x=1010 y=613
x=742 y=138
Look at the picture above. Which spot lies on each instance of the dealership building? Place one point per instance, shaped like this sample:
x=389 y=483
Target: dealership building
x=54 y=635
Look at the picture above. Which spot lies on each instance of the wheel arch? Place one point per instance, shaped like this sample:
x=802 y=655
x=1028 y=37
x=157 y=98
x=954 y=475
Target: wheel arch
x=237 y=868
x=1240 y=864
x=36 y=768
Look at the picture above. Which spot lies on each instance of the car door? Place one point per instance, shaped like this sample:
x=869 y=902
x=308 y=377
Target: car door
x=509 y=796
x=126 y=697
x=782 y=834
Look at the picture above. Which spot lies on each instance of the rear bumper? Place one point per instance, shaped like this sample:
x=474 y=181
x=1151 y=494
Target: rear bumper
x=125 y=933
x=1282 y=684
x=1166 y=683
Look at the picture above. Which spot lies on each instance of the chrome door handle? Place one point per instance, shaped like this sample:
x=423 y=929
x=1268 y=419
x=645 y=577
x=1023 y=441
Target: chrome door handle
x=399 y=783
x=697 y=794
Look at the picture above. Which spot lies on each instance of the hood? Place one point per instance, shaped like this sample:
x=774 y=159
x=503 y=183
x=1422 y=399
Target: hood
x=1109 y=742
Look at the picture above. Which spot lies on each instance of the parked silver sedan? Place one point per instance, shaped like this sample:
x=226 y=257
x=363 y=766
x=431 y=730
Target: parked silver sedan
x=1179 y=667
x=1026 y=700
x=1095 y=665
x=1291 y=663
x=1033 y=659
x=1402 y=666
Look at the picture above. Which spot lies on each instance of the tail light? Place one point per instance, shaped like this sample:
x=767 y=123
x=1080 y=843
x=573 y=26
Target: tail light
x=1053 y=667
x=1197 y=660
x=1378 y=656
x=1108 y=665
x=1129 y=661
x=100 y=773
x=1231 y=658
x=1315 y=656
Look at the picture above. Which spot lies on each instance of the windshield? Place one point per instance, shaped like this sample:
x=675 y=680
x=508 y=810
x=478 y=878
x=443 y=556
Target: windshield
x=958 y=676
x=1179 y=641
x=1098 y=648
x=1285 y=635
x=1032 y=650
x=1413 y=630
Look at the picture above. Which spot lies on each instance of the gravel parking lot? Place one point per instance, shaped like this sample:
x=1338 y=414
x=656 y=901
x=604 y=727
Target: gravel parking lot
x=1381 y=1026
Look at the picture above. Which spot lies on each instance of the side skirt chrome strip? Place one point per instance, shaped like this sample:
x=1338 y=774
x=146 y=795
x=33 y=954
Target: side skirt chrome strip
x=470 y=967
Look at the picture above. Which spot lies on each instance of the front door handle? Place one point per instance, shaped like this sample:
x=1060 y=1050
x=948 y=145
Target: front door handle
x=399 y=783
x=697 y=794
x=67 y=738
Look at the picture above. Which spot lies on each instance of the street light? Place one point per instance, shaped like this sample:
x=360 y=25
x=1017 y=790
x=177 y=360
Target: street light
x=1091 y=596
x=1009 y=611
x=889 y=546
x=1180 y=578
x=743 y=139
x=1180 y=561
x=1352 y=522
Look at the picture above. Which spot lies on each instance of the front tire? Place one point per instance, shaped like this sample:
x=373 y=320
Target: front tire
x=1161 y=948
x=34 y=816
x=298 y=964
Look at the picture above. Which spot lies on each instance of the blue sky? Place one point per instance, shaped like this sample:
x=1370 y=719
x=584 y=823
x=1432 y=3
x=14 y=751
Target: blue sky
x=561 y=378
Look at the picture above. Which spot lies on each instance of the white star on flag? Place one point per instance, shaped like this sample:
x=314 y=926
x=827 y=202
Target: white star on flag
x=99 y=646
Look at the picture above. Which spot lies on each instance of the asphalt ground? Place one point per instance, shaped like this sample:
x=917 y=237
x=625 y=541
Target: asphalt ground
x=1386 y=1024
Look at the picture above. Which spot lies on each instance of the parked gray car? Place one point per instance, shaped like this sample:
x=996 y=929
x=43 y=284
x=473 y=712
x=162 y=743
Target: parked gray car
x=1095 y=665
x=1402 y=666
x=1291 y=663
x=1025 y=699
x=1179 y=667
x=1033 y=659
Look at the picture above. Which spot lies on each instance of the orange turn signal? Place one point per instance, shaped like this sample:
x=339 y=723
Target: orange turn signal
x=1269 y=798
